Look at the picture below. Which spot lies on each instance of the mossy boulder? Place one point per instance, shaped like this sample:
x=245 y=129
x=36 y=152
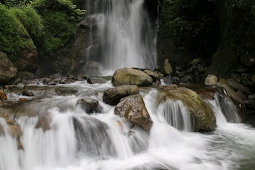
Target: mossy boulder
x=129 y=76
x=200 y=111
x=16 y=42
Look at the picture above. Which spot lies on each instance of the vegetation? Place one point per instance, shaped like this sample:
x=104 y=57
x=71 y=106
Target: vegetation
x=42 y=24
x=13 y=35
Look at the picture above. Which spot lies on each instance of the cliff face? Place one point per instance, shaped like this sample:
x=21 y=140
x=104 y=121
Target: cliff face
x=220 y=31
x=188 y=29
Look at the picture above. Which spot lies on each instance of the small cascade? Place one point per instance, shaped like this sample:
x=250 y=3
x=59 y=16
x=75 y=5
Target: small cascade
x=176 y=115
x=125 y=37
x=224 y=109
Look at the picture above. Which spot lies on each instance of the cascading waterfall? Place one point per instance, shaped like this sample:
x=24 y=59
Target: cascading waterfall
x=176 y=114
x=125 y=34
x=75 y=140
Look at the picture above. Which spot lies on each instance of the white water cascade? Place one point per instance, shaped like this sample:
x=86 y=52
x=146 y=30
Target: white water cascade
x=75 y=140
x=125 y=34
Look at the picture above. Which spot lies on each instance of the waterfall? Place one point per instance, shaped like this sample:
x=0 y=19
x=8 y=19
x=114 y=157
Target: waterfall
x=125 y=34
x=176 y=114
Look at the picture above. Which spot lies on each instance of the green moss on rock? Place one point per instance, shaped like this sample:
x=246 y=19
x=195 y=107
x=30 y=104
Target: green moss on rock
x=14 y=38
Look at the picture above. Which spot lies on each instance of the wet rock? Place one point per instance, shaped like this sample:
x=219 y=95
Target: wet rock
x=223 y=81
x=133 y=109
x=167 y=67
x=3 y=96
x=176 y=80
x=93 y=68
x=90 y=105
x=96 y=80
x=128 y=76
x=211 y=80
x=168 y=87
x=92 y=135
x=25 y=75
x=16 y=81
x=201 y=112
x=241 y=95
x=153 y=75
x=55 y=76
x=7 y=69
x=252 y=96
x=236 y=77
x=40 y=92
x=188 y=79
x=44 y=122
x=46 y=80
x=249 y=103
x=156 y=83
x=167 y=80
x=248 y=60
x=238 y=86
x=245 y=78
x=112 y=96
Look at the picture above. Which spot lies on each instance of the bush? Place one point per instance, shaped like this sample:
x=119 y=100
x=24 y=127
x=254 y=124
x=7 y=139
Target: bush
x=31 y=20
x=13 y=36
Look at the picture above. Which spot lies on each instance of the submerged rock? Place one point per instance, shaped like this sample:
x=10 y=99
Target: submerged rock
x=90 y=105
x=128 y=76
x=14 y=129
x=92 y=135
x=113 y=95
x=201 y=112
x=133 y=109
x=44 y=122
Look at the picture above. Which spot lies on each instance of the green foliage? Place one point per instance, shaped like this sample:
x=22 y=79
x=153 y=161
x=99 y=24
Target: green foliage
x=58 y=31
x=13 y=36
x=31 y=20
x=13 y=3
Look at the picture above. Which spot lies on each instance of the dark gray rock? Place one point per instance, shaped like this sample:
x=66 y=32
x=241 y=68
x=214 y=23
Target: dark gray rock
x=90 y=105
x=96 y=80
x=113 y=95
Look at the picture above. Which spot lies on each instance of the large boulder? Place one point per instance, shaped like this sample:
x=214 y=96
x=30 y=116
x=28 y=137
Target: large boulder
x=200 y=111
x=128 y=76
x=113 y=95
x=90 y=105
x=7 y=69
x=133 y=109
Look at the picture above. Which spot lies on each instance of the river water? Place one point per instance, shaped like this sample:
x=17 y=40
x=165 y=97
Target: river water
x=104 y=141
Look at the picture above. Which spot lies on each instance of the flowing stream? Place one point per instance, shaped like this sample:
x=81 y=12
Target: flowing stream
x=76 y=140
